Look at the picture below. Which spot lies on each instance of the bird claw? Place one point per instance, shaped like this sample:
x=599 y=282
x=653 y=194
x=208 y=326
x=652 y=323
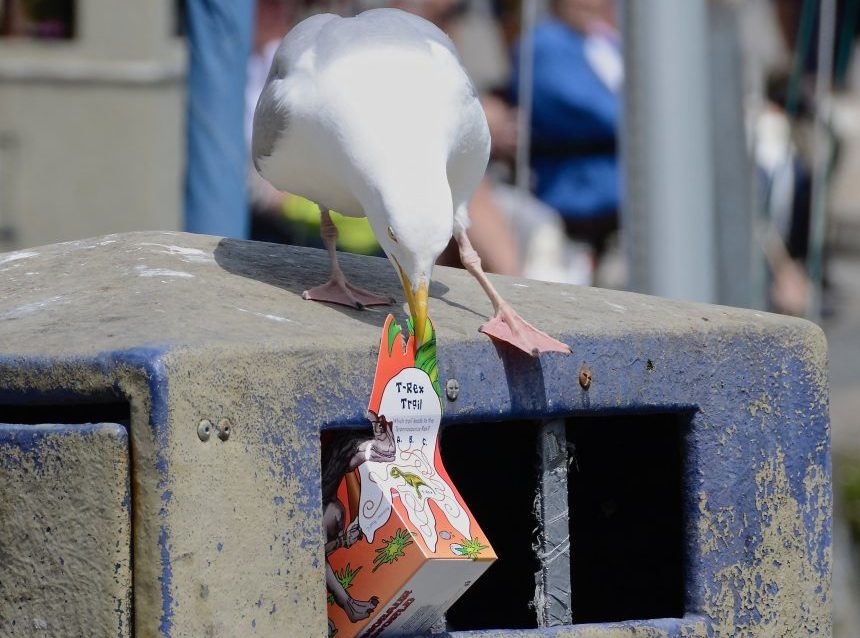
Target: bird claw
x=509 y=327
x=345 y=294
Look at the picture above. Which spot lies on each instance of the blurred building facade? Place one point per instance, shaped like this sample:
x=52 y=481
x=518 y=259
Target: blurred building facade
x=92 y=99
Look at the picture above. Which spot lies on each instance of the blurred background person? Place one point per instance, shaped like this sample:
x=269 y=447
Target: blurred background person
x=219 y=43
x=576 y=110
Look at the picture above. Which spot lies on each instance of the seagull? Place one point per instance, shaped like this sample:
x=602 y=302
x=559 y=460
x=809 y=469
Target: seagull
x=374 y=116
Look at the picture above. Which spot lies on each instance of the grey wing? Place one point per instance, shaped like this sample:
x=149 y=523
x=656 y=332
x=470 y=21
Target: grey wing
x=271 y=117
x=270 y=123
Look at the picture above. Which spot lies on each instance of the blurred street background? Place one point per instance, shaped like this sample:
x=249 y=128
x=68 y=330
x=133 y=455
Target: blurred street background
x=699 y=149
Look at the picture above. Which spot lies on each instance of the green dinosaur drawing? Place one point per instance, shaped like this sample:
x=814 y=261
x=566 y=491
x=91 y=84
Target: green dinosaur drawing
x=412 y=480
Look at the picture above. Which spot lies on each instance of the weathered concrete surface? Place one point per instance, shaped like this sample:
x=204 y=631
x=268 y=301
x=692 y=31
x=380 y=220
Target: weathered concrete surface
x=176 y=289
x=65 y=531
x=226 y=533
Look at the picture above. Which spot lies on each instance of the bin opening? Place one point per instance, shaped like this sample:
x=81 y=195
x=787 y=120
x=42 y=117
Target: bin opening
x=83 y=412
x=625 y=497
x=625 y=502
x=496 y=469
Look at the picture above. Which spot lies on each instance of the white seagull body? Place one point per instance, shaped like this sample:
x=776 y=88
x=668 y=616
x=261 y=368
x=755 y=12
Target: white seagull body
x=375 y=116
x=372 y=109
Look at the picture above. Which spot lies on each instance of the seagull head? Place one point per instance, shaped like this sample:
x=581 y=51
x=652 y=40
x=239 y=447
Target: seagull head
x=413 y=243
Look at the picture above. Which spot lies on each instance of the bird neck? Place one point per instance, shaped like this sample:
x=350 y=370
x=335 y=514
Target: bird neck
x=416 y=192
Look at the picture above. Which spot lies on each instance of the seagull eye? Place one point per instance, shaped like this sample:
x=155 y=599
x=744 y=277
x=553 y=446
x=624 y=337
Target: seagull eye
x=392 y=235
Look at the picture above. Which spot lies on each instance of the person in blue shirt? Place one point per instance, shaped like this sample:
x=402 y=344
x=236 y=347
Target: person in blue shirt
x=576 y=112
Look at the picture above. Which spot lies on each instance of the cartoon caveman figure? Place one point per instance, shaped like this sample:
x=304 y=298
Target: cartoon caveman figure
x=341 y=455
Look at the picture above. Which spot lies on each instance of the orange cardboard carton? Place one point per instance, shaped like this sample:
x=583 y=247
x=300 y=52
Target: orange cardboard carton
x=401 y=545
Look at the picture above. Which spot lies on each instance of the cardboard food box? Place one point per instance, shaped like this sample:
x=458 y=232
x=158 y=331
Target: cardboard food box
x=401 y=545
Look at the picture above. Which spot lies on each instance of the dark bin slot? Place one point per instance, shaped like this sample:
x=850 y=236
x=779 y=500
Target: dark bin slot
x=96 y=412
x=495 y=468
x=627 y=527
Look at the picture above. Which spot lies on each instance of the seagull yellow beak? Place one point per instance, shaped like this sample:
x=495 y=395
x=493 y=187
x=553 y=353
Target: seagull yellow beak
x=417 y=306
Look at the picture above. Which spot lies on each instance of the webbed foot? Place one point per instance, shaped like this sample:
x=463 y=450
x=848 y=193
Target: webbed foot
x=345 y=294
x=508 y=326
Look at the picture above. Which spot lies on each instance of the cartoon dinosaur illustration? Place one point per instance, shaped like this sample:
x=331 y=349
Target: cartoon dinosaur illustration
x=412 y=480
x=342 y=454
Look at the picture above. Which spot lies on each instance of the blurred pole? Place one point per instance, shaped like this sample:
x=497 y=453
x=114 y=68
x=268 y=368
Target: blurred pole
x=668 y=201
x=822 y=151
x=219 y=39
x=741 y=276
x=525 y=89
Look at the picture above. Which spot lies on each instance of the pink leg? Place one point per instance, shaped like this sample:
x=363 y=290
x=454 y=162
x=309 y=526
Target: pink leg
x=337 y=289
x=506 y=325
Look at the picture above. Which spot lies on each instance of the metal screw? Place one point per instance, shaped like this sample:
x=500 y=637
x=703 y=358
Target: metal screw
x=224 y=429
x=452 y=389
x=204 y=429
x=585 y=378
